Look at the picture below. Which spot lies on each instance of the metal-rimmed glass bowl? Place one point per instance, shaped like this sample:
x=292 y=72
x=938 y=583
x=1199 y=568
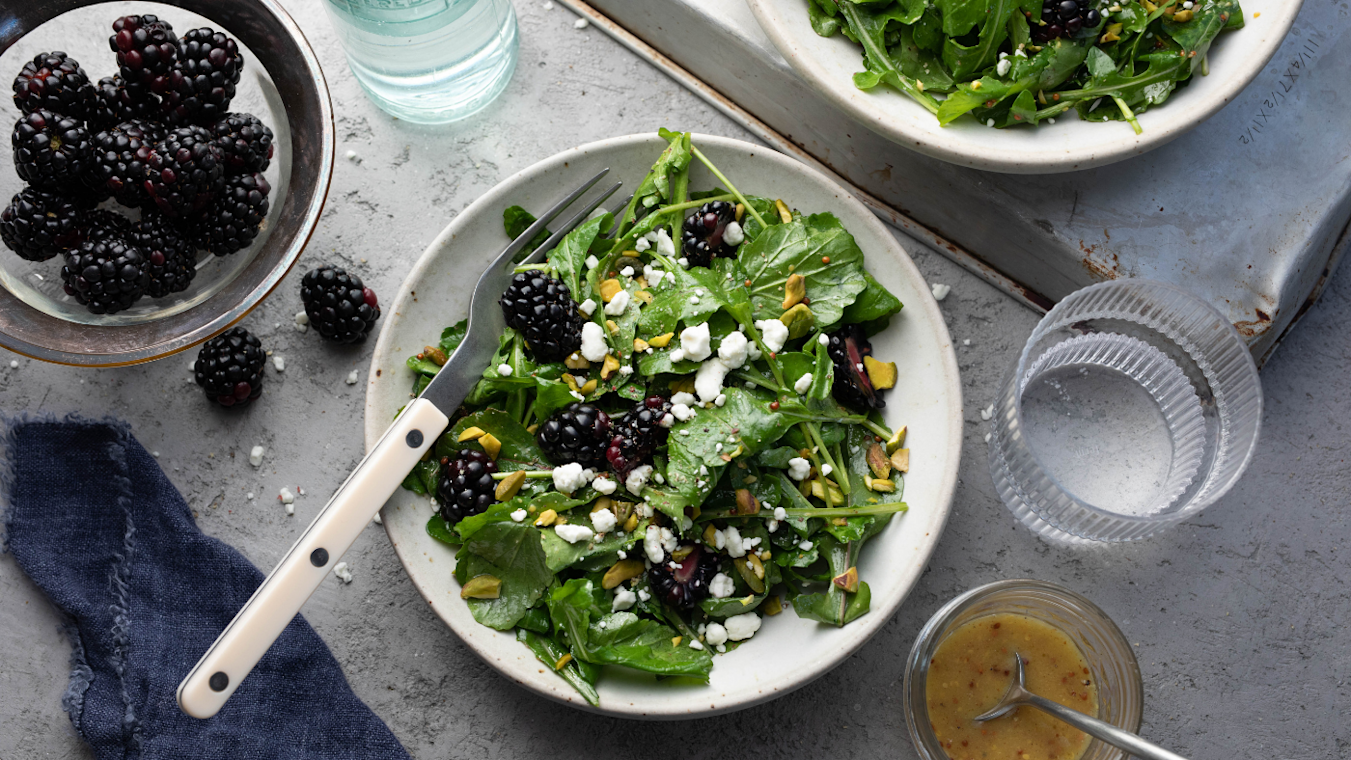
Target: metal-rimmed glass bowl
x=1105 y=649
x=281 y=84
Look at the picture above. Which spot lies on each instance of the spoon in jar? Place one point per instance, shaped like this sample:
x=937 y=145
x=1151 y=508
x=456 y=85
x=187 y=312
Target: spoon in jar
x=1019 y=695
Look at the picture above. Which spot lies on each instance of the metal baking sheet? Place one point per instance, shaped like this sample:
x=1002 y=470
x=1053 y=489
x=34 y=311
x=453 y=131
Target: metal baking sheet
x=1249 y=210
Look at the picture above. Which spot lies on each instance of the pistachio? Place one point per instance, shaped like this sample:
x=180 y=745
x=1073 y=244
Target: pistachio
x=882 y=374
x=756 y=565
x=1183 y=16
x=805 y=487
x=785 y=215
x=748 y=575
x=747 y=601
x=575 y=360
x=631 y=523
x=685 y=384
x=562 y=661
x=609 y=288
x=739 y=211
x=847 y=580
x=772 y=605
x=610 y=367
x=587 y=387
x=471 y=434
x=766 y=555
x=883 y=485
x=749 y=479
x=799 y=320
x=481 y=587
x=623 y=511
x=437 y=356
x=623 y=570
x=612 y=326
x=639 y=345
x=675 y=642
x=840 y=521
x=896 y=440
x=604 y=502
x=877 y=461
x=900 y=459
x=746 y=503
x=570 y=381
x=661 y=340
x=828 y=492
x=532 y=429
x=509 y=485
x=546 y=518
x=491 y=445
x=643 y=295
x=680 y=554
x=1113 y=33
x=794 y=290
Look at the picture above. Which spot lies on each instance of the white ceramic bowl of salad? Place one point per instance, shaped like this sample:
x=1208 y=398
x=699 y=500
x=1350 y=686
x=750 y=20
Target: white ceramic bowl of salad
x=829 y=64
x=787 y=652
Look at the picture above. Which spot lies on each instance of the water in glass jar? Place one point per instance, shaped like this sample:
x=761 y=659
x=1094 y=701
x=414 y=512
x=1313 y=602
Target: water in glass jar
x=428 y=61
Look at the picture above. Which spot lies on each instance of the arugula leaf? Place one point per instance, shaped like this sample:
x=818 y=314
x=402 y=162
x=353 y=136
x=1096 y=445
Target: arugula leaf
x=422 y=479
x=744 y=422
x=732 y=605
x=823 y=17
x=550 y=396
x=818 y=248
x=869 y=27
x=623 y=638
x=519 y=451
x=516 y=220
x=835 y=606
x=569 y=257
x=1056 y=62
x=550 y=651
x=961 y=16
x=872 y=306
x=560 y=554
x=501 y=511
x=512 y=553
x=439 y=529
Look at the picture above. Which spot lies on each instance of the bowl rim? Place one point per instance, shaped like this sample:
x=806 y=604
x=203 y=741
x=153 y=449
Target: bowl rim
x=146 y=341
x=860 y=631
x=928 y=637
x=782 y=23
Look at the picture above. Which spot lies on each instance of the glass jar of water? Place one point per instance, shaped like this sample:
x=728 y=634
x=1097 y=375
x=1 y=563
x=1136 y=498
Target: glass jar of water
x=428 y=61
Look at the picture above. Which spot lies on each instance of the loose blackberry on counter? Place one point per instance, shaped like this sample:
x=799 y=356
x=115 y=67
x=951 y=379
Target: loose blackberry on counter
x=208 y=68
x=542 y=309
x=106 y=275
x=339 y=306
x=245 y=142
x=101 y=224
x=54 y=82
x=232 y=220
x=51 y=151
x=685 y=585
x=146 y=52
x=170 y=258
x=701 y=238
x=38 y=224
x=466 y=486
x=852 y=387
x=230 y=368
x=638 y=434
x=184 y=171
x=115 y=104
x=121 y=160
x=578 y=433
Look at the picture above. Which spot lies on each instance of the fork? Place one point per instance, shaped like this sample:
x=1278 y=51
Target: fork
x=257 y=625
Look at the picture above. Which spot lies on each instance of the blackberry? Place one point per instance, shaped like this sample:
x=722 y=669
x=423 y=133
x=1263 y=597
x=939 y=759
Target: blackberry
x=637 y=435
x=120 y=160
x=230 y=367
x=541 y=307
x=102 y=224
x=54 y=82
x=244 y=141
x=146 y=52
x=114 y=104
x=1064 y=18
x=466 y=486
x=185 y=171
x=579 y=433
x=106 y=275
x=232 y=220
x=170 y=259
x=38 y=224
x=852 y=387
x=338 y=305
x=686 y=584
x=701 y=236
x=51 y=151
x=204 y=79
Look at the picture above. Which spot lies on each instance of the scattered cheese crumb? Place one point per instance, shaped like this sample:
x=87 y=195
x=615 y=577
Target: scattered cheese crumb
x=987 y=412
x=618 y=304
x=637 y=478
x=279 y=363
x=826 y=470
x=940 y=291
x=592 y=262
x=603 y=520
x=666 y=247
x=627 y=271
x=593 y=342
x=256 y=456
x=571 y=476
x=352 y=377
x=773 y=332
x=588 y=307
x=518 y=515
x=14 y=364
x=803 y=383
x=780 y=513
x=286 y=496
x=733 y=234
x=624 y=599
x=581 y=23
x=343 y=572
x=574 y=533
x=742 y=627
x=1002 y=68
x=695 y=342
x=715 y=634
x=721 y=586
x=302 y=321
x=504 y=370
x=694 y=643
x=798 y=468
x=642 y=244
x=604 y=486
x=734 y=350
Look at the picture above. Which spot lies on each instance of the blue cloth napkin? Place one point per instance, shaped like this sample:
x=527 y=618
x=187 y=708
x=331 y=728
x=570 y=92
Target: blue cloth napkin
x=95 y=523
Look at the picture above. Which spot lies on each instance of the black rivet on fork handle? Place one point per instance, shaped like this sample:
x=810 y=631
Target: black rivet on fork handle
x=218 y=681
x=319 y=557
x=414 y=438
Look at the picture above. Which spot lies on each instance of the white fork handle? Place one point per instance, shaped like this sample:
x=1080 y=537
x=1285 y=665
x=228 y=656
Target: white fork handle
x=248 y=637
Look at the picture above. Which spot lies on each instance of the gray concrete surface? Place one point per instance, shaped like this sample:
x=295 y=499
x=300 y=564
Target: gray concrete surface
x=1237 y=615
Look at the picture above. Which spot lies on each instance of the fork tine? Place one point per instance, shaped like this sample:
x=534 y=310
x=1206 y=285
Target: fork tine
x=568 y=226
x=615 y=211
x=523 y=239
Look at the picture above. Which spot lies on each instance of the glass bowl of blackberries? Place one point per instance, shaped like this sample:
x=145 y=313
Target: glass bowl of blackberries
x=167 y=166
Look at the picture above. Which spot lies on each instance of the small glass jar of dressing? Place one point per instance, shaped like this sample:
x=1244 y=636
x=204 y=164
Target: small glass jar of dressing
x=1113 y=673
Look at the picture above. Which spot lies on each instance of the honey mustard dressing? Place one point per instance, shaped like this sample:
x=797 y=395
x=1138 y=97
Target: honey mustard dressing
x=973 y=667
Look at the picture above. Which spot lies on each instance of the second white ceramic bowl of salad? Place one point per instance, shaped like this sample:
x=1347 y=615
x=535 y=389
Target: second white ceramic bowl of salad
x=787 y=652
x=828 y=64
